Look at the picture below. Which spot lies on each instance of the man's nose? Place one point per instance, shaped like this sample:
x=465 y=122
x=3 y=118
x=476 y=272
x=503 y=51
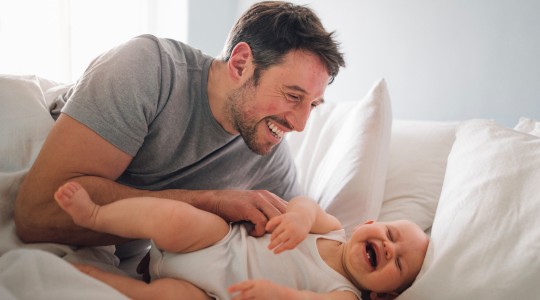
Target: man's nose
x=299 y=116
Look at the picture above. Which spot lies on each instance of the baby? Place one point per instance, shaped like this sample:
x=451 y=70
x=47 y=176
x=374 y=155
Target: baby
x=198 y=255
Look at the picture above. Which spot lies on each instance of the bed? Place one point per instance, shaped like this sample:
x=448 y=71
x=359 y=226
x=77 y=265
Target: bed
x=472 y=185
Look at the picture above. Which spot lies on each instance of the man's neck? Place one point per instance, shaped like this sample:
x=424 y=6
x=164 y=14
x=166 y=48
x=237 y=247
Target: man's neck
x=218 y=91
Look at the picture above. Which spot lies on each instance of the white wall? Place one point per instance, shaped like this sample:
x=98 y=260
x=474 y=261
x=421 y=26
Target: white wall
x=209 y=23
x=443 y=60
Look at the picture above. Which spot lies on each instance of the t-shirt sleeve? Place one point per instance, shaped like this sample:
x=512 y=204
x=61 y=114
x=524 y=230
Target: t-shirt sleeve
x=118 y=95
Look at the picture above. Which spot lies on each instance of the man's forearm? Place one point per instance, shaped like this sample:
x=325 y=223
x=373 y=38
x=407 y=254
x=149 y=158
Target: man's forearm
x=39 y=219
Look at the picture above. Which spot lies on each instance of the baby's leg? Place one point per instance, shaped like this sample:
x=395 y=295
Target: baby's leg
x=173 y=225
x=74 y=199
x=166 y=288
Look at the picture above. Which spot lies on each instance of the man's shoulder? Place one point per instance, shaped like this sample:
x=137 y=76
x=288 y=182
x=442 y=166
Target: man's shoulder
x=178 y=50
x=161 y=41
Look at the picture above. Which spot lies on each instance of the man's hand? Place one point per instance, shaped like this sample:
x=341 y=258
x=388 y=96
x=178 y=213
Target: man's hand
x=256 y=207
x=288 y=230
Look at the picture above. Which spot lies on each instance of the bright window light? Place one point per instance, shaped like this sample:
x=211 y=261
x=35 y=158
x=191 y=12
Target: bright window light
x=57 y=39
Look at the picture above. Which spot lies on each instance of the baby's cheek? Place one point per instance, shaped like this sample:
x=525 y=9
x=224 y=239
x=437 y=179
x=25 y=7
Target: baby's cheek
x=390 y=279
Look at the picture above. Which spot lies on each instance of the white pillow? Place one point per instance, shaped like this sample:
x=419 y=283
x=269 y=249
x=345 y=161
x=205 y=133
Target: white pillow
x=25 y=105
x=416 y=166
x=341 y=156
x=485 y=239
x=25 y=123
x=528 y=125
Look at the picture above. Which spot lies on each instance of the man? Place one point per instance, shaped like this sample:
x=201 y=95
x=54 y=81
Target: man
x=155 y=117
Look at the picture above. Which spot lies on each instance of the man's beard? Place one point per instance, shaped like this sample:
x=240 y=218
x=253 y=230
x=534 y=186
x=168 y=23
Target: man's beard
x=242 y=120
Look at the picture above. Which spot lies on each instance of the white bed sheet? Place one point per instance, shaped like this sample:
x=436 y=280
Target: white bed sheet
x=37 y=271
x=38 y=274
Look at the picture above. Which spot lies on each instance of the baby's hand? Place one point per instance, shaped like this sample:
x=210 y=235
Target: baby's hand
x=288 y=230
x=256 y=289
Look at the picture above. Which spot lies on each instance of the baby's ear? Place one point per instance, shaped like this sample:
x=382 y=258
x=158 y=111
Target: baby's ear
x=383 y=296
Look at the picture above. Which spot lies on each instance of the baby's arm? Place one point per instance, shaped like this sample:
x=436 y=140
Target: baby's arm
x=264 y=289
x=303 y=216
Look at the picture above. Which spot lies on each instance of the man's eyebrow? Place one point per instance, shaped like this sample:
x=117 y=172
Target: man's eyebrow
x=296 y=88
x=320 y=101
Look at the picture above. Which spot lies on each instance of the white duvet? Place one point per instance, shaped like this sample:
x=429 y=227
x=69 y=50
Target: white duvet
x=39 y=271
x=38 y=274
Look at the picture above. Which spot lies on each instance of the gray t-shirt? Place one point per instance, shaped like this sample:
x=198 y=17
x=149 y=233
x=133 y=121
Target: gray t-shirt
x=148 y=97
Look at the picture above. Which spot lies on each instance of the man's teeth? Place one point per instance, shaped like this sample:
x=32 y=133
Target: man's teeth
x=277 y=132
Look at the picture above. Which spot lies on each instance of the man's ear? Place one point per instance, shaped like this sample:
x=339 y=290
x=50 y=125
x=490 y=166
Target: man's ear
x=240 y=61
x=383 y=296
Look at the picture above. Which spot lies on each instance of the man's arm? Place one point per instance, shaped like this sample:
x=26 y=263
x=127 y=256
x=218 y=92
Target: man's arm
x=74 y=152
x=71 y=152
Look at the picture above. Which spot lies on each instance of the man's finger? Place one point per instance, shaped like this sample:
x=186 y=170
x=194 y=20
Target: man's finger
x=259 y=221
x=278 y=203
x=269 y=210
x=258 y=230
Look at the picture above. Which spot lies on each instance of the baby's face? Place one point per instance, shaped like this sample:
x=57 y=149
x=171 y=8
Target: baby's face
x=386 y=256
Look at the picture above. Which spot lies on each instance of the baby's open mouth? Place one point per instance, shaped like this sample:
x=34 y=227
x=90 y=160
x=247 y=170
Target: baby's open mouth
x=371 y=255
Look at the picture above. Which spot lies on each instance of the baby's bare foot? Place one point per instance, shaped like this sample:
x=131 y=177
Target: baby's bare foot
x=74 y=199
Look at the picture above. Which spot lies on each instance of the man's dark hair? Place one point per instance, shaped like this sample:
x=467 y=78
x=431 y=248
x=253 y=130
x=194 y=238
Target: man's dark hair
x=273 y=28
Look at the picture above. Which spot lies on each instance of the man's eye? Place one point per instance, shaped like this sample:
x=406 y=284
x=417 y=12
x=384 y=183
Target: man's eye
x=293 y=97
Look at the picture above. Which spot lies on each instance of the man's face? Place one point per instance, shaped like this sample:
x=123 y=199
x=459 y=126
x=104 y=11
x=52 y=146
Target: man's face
x=386 y=256
x=281 y=102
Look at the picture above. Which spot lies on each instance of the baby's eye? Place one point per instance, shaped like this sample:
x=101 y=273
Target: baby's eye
x=398 y=264
x=389 y=234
